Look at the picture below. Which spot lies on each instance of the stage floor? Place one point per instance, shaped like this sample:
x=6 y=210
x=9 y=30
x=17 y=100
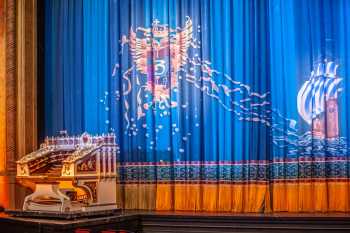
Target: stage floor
x=159 y=221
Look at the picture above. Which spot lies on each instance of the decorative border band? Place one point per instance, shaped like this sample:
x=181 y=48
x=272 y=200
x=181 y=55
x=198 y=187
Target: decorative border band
x=301 y=169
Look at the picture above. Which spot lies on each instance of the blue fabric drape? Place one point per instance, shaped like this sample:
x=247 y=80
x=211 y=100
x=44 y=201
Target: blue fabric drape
x=217 y=82
x=64 y=66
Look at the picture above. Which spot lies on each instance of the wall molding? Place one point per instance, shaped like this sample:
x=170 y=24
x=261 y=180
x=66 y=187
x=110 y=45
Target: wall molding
x=11 y=89
x=26 y=77
x=18 y=92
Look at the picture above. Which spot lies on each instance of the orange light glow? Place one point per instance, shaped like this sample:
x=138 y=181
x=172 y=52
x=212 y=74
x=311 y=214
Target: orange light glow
x=2 y=89
x=4 y=192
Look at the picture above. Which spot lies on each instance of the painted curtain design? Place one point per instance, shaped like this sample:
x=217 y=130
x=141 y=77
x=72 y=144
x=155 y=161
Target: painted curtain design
x=217 y=105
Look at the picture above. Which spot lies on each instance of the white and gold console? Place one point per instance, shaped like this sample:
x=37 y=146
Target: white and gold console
x=71 y=174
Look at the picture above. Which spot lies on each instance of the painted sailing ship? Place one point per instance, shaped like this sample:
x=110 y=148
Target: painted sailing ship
x=318 y=101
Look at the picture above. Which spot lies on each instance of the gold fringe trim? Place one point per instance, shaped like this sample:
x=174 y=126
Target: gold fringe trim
x=212 y=197
x=332 y=196
x=319 y=196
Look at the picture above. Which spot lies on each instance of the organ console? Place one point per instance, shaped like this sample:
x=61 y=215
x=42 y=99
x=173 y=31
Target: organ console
x=71 y=174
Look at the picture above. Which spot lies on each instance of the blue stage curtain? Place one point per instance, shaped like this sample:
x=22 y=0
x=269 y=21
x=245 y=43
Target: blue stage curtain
x=217 y=105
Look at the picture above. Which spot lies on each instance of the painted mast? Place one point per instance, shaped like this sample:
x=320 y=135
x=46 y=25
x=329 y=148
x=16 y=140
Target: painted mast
x=318 y=101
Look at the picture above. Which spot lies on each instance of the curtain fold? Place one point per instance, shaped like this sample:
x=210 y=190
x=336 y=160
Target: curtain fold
x=237 y=106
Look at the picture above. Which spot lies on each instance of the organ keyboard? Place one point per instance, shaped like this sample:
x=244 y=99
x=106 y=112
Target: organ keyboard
x=71 y=174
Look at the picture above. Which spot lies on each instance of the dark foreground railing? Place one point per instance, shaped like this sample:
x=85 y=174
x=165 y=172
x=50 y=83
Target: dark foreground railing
x=103 y=231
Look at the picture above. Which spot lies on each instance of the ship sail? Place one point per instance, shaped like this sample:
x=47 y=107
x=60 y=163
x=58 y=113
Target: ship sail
x=322 y=85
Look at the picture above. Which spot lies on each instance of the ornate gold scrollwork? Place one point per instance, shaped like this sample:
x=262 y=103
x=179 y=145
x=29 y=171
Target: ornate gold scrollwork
x=66 y=169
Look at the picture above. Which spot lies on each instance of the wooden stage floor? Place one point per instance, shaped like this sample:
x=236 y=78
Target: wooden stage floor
x=157 y=221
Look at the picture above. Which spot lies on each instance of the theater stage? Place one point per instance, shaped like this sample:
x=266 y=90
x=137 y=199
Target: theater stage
x=142 y=221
